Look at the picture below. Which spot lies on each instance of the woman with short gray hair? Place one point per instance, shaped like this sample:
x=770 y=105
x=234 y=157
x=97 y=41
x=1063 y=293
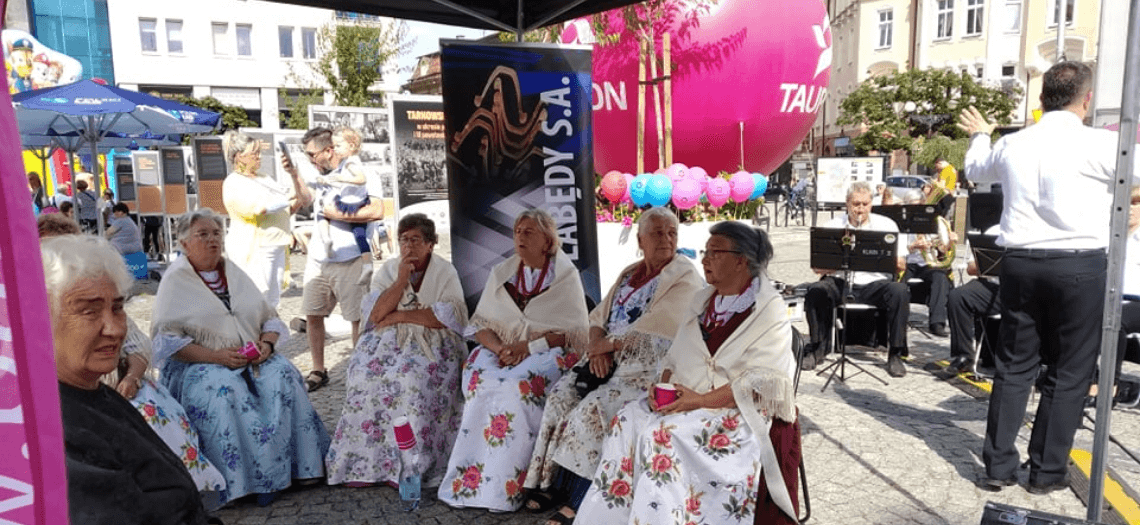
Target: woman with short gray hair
x=630 y=331
x=259 y=209
x=215 y=340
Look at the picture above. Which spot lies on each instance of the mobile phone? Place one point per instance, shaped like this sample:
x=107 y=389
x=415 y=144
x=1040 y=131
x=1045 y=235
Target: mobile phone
x=285 y=151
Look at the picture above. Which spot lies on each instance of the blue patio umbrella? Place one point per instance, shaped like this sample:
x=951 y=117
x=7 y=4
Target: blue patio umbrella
x=92 y=111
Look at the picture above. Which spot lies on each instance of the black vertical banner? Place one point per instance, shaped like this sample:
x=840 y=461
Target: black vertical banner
x=418 y=143
x=518 y=136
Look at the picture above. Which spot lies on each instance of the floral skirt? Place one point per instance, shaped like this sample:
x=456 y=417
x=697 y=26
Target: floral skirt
x=167 y=418
x=259 y=430
x=698 y=466
x=385 y=381
x=500 y=424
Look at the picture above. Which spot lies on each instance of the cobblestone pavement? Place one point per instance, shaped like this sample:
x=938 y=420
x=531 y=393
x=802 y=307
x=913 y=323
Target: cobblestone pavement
x=905 y=453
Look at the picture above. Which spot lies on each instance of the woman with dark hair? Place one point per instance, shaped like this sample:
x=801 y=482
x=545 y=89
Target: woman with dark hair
x=122 y=230
x=407 y=363
x=728 y=442
x=531 y=323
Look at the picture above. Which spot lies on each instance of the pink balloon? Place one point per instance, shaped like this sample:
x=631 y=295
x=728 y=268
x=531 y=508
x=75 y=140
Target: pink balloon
x=625 y=199
x=614 y=186
x=718 y=192
x=659 y=171
x=698 y=172
x=686 y=193
x=741 y=186
x=709 y=101
x=677 y=172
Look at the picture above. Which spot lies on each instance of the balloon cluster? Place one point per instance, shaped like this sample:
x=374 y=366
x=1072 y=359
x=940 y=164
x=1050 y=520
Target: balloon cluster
x=683 y=186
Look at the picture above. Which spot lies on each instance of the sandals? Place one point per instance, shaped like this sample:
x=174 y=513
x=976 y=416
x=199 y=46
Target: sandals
x=560 y=518
x=543 y=501
x=316 y=379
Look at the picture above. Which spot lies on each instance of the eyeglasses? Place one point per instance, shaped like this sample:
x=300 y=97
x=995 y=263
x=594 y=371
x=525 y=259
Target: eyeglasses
x=713 y=254
x=313 y=154
x=411 y=242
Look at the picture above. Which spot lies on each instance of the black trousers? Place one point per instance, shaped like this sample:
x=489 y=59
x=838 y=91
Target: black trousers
x=1129 y=324
x=822 y=296
x=1052 y=308
x=977 y=298
x=939 y=282
x=152 y=228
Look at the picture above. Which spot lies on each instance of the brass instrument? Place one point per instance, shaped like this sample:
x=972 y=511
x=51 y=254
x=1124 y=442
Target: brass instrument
x=940 y=254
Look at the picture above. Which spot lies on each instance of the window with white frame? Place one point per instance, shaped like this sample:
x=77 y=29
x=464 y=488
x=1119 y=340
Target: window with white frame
x=308 y=42
x=173 y=36
x=221 y=37
x=148 y=38
x=945 y=19
x=244 y=33
x=285 y=41
x=886 y=28
x=1012 y=20
x=1070 y=8
x=1008 y=70
x=974 y=18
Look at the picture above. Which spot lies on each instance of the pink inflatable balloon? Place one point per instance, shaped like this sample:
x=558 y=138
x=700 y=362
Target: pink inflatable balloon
x=698 y=172
x=625 y=198
x=686 y=193
x=614 y=186
x=659 y=171
x=718 y=192
x=677 y=172
x=717 y=85
x=741 y=186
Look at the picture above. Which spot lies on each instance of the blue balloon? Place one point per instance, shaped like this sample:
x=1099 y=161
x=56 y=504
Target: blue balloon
x=659 y=190
x=637 y=188
x=760 y=186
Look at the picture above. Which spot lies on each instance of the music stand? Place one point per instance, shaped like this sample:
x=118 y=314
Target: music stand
x=987 y=254
x=911 y=218
x=850 y=251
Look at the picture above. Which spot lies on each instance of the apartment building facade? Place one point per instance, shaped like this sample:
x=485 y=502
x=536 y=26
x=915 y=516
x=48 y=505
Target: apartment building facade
x=1001 y=43
x=248 y=53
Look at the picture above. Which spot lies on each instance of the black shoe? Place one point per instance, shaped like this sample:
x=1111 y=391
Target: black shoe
x=995 y=485
x=939 y=329
x=959 y=365
x=298 y=324
x=809 y=360
x=895 y=366
x=1040 y=490
x=1127 y=394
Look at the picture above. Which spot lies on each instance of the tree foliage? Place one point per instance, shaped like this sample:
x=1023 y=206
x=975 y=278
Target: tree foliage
x=902 y=111
x=351 y=58
x=233 y=117
x=298 y=107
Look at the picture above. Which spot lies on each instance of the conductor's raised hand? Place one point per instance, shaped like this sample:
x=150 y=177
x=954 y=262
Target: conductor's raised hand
x=972 y=121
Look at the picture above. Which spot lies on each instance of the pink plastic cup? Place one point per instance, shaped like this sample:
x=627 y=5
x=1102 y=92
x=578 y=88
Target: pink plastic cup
x=664 y=394
x=250 y=351
x=405 y=438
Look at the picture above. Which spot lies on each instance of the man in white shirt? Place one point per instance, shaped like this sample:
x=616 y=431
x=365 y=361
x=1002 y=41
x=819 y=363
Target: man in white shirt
x=1055 y=178
x=879 y=289
x=937 y=280
x=976 y=299
x=330 y=278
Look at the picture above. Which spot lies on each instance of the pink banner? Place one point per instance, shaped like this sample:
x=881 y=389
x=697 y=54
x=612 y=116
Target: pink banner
x=33 y=484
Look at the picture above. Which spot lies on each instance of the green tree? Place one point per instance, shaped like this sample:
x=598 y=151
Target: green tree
x=904 y=111
x=299 y=109
x=351 y=58
x=233 y=117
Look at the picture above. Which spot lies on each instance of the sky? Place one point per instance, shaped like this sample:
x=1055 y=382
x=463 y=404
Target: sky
x=427 y=41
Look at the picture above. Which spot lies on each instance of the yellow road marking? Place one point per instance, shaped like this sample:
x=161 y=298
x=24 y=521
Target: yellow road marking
x=1113 y=491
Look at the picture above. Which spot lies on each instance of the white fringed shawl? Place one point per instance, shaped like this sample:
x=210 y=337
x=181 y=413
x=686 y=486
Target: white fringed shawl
x=440 y=287
x=677 y=283
x=184 y=306
x=756 y=360
x=561 y=307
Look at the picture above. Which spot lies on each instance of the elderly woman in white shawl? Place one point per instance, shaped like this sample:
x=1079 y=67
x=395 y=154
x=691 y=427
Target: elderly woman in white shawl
x=720 y=447
x=215 y=339
x=530 y=323
x=407 y=363
x=630 y=330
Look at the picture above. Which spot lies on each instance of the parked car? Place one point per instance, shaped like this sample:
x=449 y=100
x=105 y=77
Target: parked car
x=907 y=187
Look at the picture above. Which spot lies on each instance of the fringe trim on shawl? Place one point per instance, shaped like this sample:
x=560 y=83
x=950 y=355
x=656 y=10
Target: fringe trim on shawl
x=577 y=340
x=772 y=392
x=641 y=346
x=202 y=336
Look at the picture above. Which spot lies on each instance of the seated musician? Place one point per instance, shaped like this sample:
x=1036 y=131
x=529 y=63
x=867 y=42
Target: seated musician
x=878 y=289
x=1128 y=393
x=926 y=260
x=978 y=298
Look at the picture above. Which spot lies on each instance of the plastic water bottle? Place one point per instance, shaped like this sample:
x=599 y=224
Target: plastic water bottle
x=409 y=462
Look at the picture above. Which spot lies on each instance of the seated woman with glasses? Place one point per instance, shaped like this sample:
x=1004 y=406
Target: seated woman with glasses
x=407 y=363
x=530 y=324
x=726 y=448
x=214 y=340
